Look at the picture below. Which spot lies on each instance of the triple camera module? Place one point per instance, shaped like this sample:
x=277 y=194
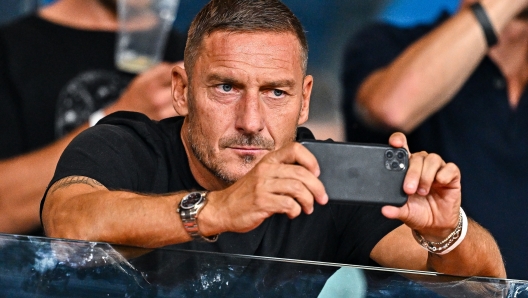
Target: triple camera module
x=395 y=159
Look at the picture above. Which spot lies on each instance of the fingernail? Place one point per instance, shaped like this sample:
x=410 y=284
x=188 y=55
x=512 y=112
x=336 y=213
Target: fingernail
x=422 y=191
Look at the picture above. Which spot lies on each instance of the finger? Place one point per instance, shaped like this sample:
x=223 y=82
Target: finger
x=449 y=174
x=295 y=189
x=307 y=179
x=431 y=166
x=398 y=140
x=414 y=173
x=295 y=153
x=286 y=205
x=392 y=212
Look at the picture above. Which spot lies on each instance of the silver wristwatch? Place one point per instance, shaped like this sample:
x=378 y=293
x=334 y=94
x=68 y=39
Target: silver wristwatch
x=189 y=208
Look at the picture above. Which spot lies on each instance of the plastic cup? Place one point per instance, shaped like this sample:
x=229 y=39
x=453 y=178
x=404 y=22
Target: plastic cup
x=143 y=30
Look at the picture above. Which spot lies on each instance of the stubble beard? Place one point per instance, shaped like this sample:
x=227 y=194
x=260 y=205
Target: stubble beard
x=219 y=168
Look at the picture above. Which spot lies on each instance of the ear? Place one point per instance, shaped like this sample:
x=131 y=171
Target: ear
x=179 y=90
x=305 y=103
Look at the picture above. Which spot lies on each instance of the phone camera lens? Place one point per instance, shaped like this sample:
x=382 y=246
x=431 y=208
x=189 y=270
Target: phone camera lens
x=395 y=165
x=389 y=154
x=400 y=155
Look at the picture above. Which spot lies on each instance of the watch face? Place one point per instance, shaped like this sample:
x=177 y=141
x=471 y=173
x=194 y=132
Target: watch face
x=191 y=200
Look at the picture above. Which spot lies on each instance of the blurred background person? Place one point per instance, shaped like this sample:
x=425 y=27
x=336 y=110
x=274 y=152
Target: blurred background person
x=457 y=88
x=56 y=70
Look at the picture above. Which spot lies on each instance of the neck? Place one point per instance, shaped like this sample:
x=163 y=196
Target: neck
x=511 y=56
x=81 y=14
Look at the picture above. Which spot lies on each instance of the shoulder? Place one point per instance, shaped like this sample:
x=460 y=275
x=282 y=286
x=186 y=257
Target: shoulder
x=140 y=124
x=138 y=130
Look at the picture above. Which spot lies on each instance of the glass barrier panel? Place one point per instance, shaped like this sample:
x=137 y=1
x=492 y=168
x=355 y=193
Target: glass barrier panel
x=46 y=267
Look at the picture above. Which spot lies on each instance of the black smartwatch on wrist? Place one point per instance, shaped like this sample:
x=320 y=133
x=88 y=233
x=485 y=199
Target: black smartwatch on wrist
x=188 y=209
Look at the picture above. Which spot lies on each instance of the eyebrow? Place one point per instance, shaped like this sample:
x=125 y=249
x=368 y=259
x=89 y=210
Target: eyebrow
x=270 y=84
x=280 y=83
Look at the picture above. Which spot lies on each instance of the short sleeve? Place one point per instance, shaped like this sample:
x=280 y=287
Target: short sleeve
x=113 y=155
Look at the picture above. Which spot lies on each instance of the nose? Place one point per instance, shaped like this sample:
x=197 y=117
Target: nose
x=250 y=114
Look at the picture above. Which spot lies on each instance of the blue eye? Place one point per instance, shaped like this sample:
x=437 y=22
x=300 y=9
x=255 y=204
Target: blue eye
x=227 y=88
x=278 y=93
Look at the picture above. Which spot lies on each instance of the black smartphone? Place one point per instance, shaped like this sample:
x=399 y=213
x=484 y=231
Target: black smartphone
x=361 y=173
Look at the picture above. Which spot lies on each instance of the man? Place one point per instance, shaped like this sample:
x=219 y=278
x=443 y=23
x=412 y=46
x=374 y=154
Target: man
x=244 y=90
x=458 y=94
x=56 y=69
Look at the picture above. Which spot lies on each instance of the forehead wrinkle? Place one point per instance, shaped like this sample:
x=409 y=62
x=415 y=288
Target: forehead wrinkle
x=230 y=62
x=225 y=47
x=251 y=60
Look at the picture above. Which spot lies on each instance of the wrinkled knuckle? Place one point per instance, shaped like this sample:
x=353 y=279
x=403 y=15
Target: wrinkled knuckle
x=420 y=154
x=299 y=171
x=292 y=208
x=262 y=168
x=297 y=147
x=434 y=157
x=452 y=166
x=296 y=211
x=296 y=187
x=423 y=153
x=259 y=201
x=289 y=204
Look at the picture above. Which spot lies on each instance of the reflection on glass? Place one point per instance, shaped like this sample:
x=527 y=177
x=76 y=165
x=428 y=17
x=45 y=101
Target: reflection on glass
x=44 y=267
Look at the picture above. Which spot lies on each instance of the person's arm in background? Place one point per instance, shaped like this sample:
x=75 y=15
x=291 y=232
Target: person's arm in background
x=24 y=178
x=429 y=72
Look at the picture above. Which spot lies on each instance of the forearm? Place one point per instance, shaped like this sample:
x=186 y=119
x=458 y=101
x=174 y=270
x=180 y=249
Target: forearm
x=117 y=217
x=428 y=73
x=24 y=180
x=477 y=255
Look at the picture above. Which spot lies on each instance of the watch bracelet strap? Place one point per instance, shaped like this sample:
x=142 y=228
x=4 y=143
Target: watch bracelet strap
x=191 y=226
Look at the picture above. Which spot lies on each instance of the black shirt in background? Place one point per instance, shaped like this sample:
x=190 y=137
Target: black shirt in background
x=53 y=77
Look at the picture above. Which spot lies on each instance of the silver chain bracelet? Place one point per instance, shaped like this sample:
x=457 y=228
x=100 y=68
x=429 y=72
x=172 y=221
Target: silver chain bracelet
x=449 y=243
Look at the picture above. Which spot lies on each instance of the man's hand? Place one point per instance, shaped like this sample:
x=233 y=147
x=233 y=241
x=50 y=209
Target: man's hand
x=434 y=193
x=149 y=93
x=433 y=209
x=284 y=181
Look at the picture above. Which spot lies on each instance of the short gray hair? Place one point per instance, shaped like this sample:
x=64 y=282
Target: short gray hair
x=242 y=16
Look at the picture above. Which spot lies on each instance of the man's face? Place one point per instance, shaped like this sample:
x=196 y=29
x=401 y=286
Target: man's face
x=247 y=96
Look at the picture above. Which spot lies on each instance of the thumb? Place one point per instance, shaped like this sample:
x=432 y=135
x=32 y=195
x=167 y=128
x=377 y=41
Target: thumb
x=391 y=212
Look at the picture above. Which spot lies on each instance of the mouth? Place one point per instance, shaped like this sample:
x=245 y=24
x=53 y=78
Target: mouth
x=248 y=150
